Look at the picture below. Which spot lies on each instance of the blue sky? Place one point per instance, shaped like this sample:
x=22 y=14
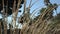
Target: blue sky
x=41 y=4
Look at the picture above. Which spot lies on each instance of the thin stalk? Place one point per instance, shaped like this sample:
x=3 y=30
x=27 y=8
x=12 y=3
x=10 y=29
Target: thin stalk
x=15 y=14
x=24 y=6
x=0 y=28
x=33 y=3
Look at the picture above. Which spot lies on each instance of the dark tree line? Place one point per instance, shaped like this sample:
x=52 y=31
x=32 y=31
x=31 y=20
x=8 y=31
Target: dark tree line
x=9 y=5
x=8 y=8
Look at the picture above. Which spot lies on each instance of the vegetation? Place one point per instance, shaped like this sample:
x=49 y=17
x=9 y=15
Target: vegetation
x=44 y=23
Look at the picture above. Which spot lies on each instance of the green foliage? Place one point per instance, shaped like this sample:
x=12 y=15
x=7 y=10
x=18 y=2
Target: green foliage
x=47 y=2
x=42 y=10
x=56 y=6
